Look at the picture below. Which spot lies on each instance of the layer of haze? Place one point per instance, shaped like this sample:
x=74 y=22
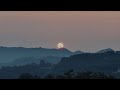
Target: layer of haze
x=78 y=30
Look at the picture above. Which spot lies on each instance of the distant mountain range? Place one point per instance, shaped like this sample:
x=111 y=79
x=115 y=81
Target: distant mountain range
x=78 y=52
x=22 y=56
x=56 y=61
x=105 y=50
x=107 y=62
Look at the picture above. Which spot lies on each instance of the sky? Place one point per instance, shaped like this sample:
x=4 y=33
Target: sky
x=88 y=31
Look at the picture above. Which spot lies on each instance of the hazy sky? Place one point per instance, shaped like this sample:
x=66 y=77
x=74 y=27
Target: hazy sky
x=78 y=30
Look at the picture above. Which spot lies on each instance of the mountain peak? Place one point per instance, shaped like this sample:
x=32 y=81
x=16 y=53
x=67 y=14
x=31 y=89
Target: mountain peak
x=78 y=52
x=64 y=49
x=105 y=50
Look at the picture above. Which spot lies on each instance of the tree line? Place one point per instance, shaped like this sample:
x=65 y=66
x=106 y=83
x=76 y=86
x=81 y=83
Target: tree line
x=70 y=75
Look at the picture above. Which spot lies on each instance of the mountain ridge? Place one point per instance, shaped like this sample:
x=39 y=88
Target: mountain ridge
x=9 y=54
x=105 y=50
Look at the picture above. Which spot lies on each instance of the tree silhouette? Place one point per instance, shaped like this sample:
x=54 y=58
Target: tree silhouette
x=26 y=76
x=69 y=75
x=49 y=76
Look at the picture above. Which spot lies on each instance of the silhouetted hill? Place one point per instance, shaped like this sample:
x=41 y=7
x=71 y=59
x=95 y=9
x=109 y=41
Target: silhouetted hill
x=21 y=55
x=8 y=54
x=13 y=72
x=104 y=62
x=105 y=50
x=78 y=52
x=107 y=62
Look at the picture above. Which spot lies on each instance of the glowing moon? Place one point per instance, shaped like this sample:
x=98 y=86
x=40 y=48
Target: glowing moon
x=60 y=45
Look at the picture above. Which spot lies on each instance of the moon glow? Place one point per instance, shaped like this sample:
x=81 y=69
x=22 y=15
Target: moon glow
x=60 y=45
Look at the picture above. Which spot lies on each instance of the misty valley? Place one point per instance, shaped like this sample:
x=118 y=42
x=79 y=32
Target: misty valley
x=44 y=63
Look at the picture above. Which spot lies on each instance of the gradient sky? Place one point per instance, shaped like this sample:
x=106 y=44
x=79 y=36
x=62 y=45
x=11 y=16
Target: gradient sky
x=78 y=30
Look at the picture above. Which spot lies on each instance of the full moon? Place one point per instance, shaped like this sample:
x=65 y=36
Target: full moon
x=60 y=45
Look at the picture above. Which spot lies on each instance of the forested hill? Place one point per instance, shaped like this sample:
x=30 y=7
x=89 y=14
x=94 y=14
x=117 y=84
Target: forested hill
x=104 y=62
x=107 y=62
x=8 y=54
